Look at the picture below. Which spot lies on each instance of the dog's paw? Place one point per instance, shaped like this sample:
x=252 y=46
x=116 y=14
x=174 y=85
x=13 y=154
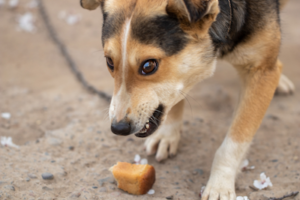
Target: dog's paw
x=285 y=86
x=219 y=188
x=164 y=142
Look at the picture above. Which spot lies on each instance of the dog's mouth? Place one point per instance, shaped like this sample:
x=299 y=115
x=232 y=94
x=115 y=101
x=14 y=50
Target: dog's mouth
x=152 y=124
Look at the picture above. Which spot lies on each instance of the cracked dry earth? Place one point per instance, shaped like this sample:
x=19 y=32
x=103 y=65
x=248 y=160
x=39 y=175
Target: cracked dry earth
x=63 y=130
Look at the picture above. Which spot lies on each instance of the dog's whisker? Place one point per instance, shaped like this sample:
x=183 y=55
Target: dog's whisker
x=185 y=97
x=152 y=120
x=159 y=111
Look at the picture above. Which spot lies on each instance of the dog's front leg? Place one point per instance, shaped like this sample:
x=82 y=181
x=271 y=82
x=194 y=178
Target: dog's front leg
x=164 y=142
x=259 y=84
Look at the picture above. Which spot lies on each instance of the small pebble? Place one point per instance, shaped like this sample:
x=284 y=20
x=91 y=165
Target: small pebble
x=47 y=176
x=2 y=182
x=10 y=187
x=197 y=171
x=32 y=176
x=273 y=117
x=151 y=191
x=54 y=141
x=13 y=3
x=112 y=187
x=144 y=161
x=102 y=189
x=71 y=148
x=46 y=188
x=75 y=195
x=95 y=187
x=31 y=193
x=137 y=158
x=63 y=173
x=106 y=180
x=6 y=115
x=27 y=179
x=186 y=122
x=169 y=197
x=130 y=140
x=242 y=198
x=199 y=119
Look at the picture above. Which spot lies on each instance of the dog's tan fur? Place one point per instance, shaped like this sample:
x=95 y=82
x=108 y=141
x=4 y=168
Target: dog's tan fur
x=257 y=64
x=135 y=96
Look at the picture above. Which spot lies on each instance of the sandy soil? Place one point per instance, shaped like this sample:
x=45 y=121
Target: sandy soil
x=64 y=130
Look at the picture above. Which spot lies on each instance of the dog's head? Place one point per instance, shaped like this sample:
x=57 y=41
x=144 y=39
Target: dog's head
x=156 y=50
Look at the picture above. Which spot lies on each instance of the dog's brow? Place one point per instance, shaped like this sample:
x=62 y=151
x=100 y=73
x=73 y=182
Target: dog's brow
x=161 y=31
x=112 y=25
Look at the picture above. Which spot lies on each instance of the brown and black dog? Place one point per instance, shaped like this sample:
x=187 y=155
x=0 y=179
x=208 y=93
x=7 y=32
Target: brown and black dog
x=158 y=49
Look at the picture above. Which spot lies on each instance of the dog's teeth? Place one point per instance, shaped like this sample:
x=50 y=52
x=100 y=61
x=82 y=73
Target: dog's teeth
x=147 y=126
x=148 y=121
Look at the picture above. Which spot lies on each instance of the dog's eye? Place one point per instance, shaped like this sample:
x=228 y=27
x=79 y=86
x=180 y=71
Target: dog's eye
x=110 y=63
x=149 y=67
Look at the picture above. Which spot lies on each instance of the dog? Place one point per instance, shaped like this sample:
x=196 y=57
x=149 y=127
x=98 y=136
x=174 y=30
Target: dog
x=156 y=50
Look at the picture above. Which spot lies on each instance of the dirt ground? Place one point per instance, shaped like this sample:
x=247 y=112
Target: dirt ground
x=64 y=130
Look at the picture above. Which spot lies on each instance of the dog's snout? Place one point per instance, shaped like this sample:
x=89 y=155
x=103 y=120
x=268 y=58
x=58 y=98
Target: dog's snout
x=121 y=128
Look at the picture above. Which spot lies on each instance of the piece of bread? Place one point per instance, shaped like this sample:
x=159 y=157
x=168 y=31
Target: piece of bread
x=134 y=178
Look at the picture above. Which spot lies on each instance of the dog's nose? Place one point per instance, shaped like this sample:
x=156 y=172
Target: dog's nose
x=121 y=128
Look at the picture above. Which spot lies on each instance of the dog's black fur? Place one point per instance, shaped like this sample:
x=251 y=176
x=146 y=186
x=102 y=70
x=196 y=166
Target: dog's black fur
x=161 y=31
x=243 y=18
x=111 y=25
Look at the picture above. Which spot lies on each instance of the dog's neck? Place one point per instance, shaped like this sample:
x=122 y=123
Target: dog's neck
x=225 y=30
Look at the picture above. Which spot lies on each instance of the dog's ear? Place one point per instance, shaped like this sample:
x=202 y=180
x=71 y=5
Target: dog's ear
x=192 y=11
x=90 y=4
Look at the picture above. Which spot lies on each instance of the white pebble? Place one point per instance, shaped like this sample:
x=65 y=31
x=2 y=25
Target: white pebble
x=26 y=22
x=54 y=141
x=13 y=3
x=2 y=2
x=69 y=17
x=242 y=198
x=151 y=191
x=6 y=115
x=72 y=19
x=144 y=161
x=137 y=158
